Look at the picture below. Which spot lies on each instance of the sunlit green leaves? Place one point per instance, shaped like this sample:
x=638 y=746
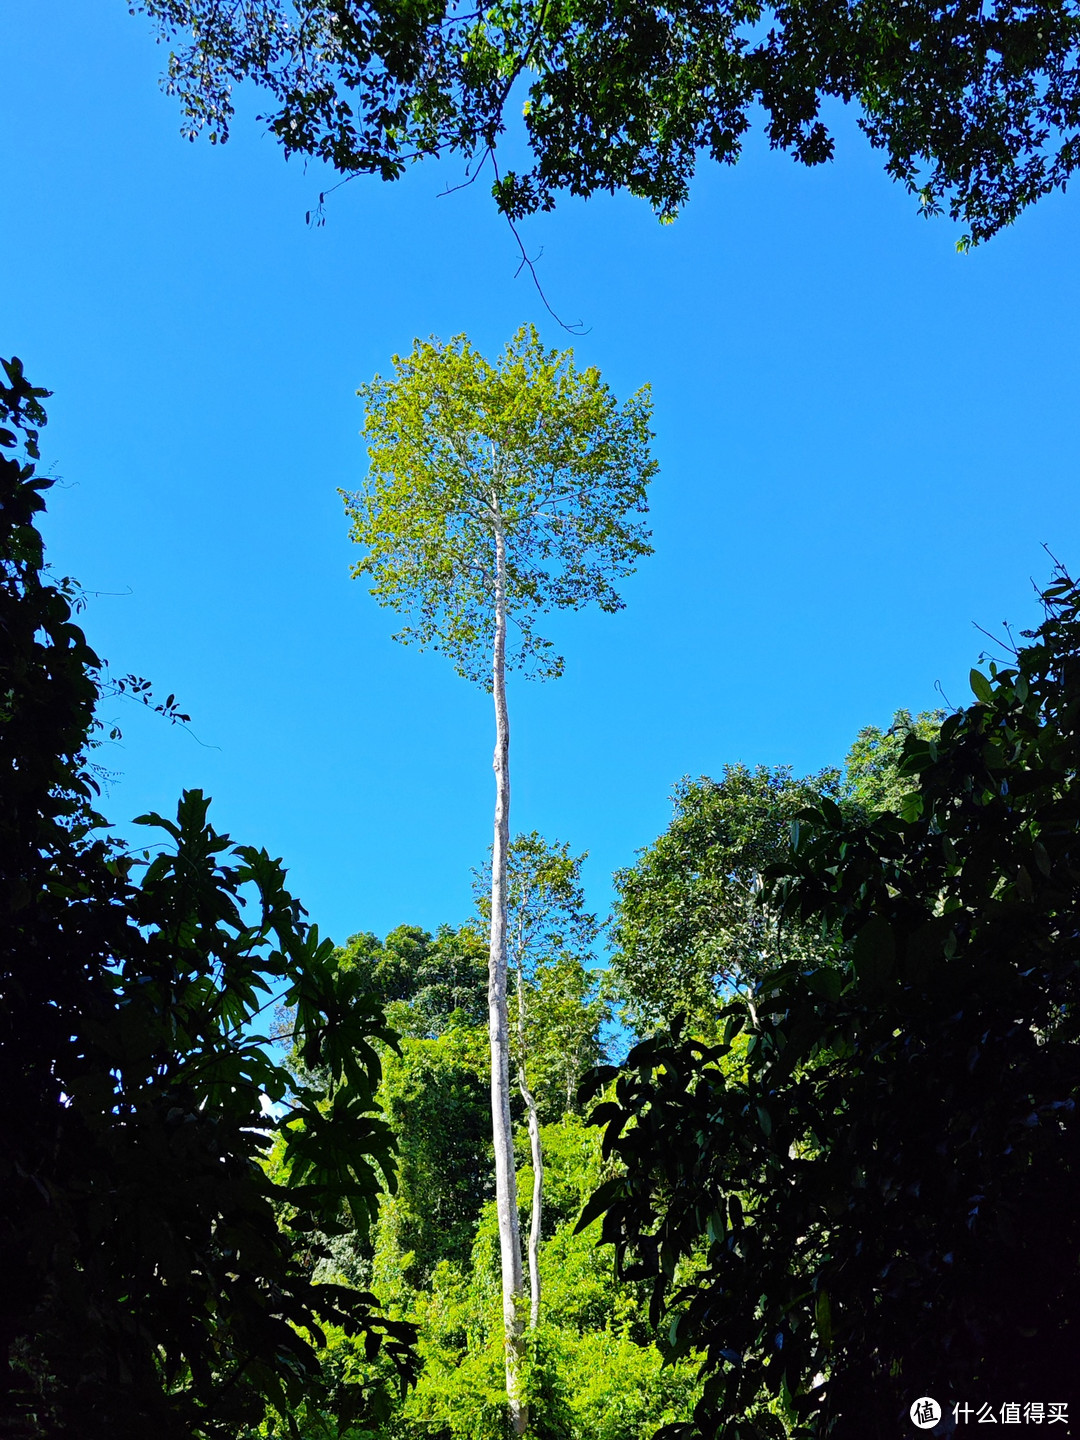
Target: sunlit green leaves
x=691 y=918
x=459 y=447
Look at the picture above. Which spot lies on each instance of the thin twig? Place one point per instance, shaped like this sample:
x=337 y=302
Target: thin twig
x=471 y=180
x=994 y=640
x=111 y=689
x=573 y=328
x=941 y=692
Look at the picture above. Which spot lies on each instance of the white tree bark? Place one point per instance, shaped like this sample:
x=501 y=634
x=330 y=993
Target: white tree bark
x=498 y=1026
x=537 y=1162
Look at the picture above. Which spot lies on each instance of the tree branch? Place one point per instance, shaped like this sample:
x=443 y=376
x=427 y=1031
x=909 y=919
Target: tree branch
x=574 y=327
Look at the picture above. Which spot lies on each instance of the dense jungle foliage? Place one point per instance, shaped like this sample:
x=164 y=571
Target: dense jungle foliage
x=834 y=1170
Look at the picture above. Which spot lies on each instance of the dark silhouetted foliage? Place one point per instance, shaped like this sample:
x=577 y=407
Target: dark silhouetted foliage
x=868 y=1190
x=975 y=106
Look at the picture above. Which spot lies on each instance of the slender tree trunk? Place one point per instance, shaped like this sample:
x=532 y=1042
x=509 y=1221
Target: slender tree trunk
x=498 y=1026
x=537 y=1163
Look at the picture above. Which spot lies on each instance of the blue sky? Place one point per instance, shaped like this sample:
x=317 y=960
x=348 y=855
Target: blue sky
x=864 y=439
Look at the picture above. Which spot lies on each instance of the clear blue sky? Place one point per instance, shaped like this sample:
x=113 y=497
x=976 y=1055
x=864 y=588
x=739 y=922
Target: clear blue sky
x=863 y=438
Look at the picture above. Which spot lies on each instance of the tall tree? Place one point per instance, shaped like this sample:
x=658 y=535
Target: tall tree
x=497 y=493
x=975 y=107
x=548 y=930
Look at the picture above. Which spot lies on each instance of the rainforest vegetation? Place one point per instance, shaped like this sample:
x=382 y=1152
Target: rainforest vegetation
x=788 y=1139
x=772 y=1157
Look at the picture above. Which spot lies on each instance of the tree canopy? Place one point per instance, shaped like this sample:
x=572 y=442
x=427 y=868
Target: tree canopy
x=461 y=450
x=974 y=107
x=691 y=919
x=426 y=982
x=694 y=917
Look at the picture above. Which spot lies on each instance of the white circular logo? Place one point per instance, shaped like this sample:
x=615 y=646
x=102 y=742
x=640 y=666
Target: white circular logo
x=925 y=1413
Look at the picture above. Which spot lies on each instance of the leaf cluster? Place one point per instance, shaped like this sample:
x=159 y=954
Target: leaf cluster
x=873 y=777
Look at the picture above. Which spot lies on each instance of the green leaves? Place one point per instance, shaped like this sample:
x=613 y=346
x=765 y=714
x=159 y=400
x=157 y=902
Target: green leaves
x=599 y=1202
x=981 y=687
x=530 y=447
x=826 y=981
x=693 y=915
